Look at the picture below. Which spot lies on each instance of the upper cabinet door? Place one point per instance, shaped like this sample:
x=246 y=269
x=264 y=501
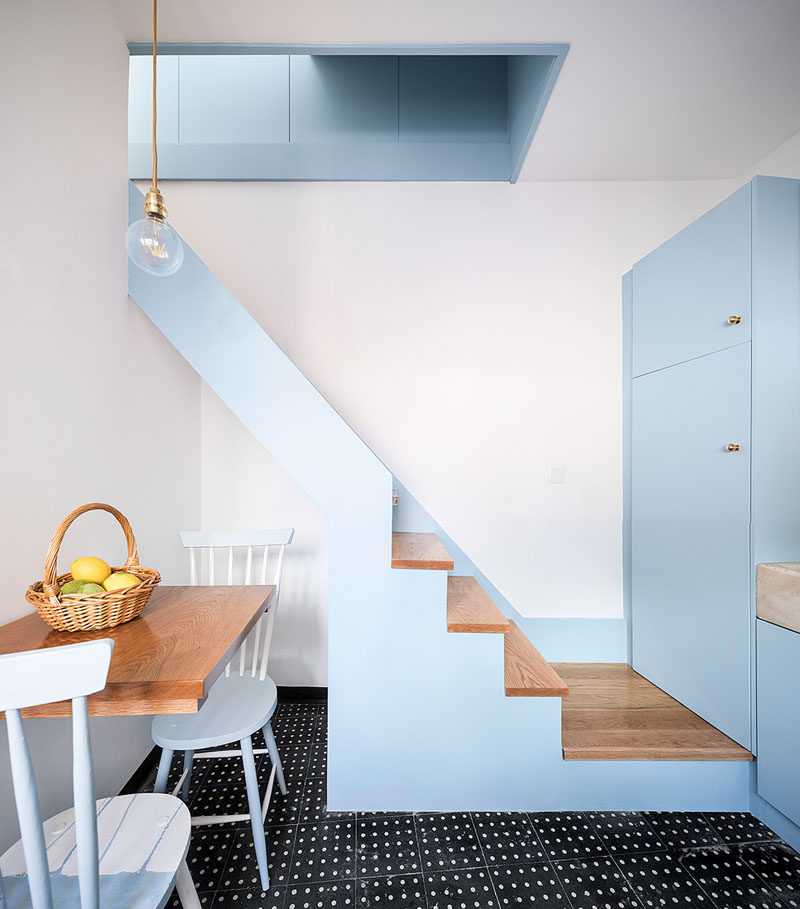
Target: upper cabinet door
x=691 y=296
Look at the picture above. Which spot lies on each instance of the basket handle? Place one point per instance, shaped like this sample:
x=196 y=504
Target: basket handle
x=50 y=587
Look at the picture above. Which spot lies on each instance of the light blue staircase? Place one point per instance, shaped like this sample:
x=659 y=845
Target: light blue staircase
x=418 y=717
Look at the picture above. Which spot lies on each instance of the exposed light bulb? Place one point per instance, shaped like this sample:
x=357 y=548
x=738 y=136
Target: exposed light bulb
x=154 y=247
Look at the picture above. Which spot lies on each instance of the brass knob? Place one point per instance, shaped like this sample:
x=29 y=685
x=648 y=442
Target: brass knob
x=731 y=446
x=734 y=320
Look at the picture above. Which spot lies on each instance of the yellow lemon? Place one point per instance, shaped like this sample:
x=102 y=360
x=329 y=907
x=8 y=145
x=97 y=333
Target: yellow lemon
x=90 y=569
x=120 y=580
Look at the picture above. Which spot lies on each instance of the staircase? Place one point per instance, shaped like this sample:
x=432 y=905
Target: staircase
x=437 y=701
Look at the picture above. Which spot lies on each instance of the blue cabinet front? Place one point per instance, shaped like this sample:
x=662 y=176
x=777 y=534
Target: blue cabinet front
x=690 y=535
x=778 y=678
x=685 y=291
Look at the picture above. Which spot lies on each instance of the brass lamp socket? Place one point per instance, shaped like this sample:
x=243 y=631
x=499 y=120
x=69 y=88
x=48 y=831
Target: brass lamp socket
x=154 y=206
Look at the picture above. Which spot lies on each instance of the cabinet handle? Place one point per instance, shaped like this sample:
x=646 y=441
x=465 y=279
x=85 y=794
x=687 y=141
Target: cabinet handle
x=732 y=446
x=734 y=320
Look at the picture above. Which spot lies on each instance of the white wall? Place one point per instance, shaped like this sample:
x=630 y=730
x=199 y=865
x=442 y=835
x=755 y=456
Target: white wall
x=95 y=403
x=471 y=334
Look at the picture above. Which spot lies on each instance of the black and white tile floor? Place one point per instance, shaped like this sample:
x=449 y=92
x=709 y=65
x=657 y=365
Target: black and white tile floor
x=477 y=860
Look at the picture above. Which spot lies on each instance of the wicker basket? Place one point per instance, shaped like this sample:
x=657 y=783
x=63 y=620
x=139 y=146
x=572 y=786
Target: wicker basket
x=80 y=612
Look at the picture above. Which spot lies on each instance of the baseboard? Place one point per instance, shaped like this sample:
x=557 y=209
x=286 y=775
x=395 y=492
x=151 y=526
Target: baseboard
x=301 y=693
x=143 y=771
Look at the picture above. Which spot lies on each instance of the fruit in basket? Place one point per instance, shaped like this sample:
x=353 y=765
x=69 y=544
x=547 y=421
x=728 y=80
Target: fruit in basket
x=89 y=568
x=120 y=580
x=83 y=587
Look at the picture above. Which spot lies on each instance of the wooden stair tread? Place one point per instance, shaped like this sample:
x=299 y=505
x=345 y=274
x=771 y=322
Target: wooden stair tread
x=527 y=672
x=614 y=714
x=419 y=550
x=469 y=608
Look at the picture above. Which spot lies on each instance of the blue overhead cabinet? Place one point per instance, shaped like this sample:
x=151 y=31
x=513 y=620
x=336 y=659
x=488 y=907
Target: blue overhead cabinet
x=340 y=113
x=713 y=359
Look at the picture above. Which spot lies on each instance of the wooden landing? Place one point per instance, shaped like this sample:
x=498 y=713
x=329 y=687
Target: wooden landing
x=527 y=672
x=419 y=550
x=469 y=608
x=614 y=714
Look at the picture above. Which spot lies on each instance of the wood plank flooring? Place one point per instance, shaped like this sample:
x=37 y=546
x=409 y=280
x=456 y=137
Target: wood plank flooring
x=614 y=714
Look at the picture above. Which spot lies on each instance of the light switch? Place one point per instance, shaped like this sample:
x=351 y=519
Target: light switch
x=556 y=475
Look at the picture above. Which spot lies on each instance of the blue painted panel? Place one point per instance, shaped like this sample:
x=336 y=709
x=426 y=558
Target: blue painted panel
x=324 y=161
x=343 y=98
x=530 y=81
x=627 y=443
x=140 y=100
x=691 y=535
x=453 y=98
x=687 y=288
x=280 y=49
x=776 y=370
x=409 y=675
x=234 y=99
x=778 y=655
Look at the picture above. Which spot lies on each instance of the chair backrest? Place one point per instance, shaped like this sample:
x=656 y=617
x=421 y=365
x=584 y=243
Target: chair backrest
x=242 y=557
x=39 y=677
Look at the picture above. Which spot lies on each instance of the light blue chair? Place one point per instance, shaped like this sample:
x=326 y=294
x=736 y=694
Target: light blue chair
x=124 y=851
x=241 y=701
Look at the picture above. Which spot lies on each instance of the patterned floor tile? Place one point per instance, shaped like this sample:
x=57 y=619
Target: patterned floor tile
x=324 y=895
x=728 y=881
x=596 y=884
x=315 y=804
x=447 y=842
x=294 y=760
x=206 y=899
x=252 y=898
x=401 y=891
x=507 y=838
x=467 y=889
x=285 y=809
x=208 y=854
x=566 y=836
x=683 y=829
x=386 y=846
x=659 y=879
x=241 y=870
x=324 y=852
x=294 y=730
x=740 y=827
x=778 y=865
x=624 y=831
x=528 y=885
x=220 y=800
x=318 y=763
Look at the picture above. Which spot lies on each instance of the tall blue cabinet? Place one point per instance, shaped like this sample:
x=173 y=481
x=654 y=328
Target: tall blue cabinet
x=712 y=444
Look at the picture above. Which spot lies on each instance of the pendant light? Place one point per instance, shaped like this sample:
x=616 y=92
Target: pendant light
x=152 y=244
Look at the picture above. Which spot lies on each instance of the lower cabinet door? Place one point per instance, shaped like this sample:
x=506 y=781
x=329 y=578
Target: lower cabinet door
x=690 y=545
x=778 y=712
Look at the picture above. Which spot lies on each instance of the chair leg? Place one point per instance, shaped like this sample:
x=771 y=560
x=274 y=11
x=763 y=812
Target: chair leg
x=272 y=747
x=185 y=887
x=254 y=803
x=187 y=769
x=163 y=770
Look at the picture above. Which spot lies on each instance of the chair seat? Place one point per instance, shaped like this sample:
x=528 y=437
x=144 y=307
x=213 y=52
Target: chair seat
x=236 y=707
x=142 y=840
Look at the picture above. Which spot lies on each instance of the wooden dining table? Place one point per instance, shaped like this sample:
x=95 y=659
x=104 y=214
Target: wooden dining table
x=166 y=660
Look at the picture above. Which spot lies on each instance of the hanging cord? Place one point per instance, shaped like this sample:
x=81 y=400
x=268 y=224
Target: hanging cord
x=155 y=46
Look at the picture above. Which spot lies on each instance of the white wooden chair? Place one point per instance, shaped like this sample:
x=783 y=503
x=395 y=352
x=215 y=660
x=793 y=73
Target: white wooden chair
x=243 y=700
x=124 y=851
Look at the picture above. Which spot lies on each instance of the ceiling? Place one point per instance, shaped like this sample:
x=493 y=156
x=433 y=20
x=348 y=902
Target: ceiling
x=650 y=90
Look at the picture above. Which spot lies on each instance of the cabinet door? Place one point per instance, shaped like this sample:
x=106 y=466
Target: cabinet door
x=685 y=291
x=690 y=549
x=778 y=659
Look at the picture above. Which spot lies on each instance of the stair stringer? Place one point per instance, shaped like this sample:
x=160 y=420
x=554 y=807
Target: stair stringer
x=418 y=718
